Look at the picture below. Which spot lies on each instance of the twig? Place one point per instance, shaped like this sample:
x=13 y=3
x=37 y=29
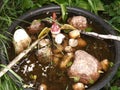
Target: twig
x=19 y=57
x=109 y=36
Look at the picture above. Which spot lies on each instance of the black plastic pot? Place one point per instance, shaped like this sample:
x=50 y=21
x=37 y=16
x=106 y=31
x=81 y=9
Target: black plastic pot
x=42 y=12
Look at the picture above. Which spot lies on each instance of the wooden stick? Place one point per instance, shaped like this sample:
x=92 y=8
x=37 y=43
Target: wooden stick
x=109 y=36
x=19 y=57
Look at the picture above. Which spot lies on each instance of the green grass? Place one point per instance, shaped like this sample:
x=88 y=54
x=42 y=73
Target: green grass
x=10 y=81
x=7 y=83
x=11 y=9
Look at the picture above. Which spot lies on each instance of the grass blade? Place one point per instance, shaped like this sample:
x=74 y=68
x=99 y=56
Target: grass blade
x=11 y=71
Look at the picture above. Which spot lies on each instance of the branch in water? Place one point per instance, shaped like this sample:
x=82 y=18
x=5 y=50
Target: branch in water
x=19 y=57
x=113 y=37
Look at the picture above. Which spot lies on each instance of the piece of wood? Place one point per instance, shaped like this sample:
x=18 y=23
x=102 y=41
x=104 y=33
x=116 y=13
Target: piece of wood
x=109 y=36
x=19 y=57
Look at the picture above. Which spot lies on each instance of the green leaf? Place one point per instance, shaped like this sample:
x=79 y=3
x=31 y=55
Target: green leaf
x=89 y=29
x=5 y=2
x=69 y=2
x=93 y=6
x=96 y=5
x=41 y=2
x=118 y=74
x=82 y=4
x=59 y=1
x=112 y=13
x=69 y=64
x=45 y=31
x=7 y=83
x=111 y=64
x=115 y=19
x=67 y=26
x=114 y=88
x=26 y=4
x=62 y=4
x=99 y=5
x=118 y=11
x=64 y=10
x=18 y=77
x=76 y=79
x=91 y=81
x=113 y=26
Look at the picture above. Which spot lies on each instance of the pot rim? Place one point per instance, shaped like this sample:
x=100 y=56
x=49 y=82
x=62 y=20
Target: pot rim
x=79 y=11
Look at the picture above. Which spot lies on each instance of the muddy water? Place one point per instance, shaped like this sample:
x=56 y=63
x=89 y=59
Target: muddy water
x=35 y=73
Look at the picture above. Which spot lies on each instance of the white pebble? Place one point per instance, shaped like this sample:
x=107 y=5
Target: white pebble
x=44 y=42
x=28 y=61
x=78 y=86
x=59 y=38
x=74 y=33
x=73 y=42
x=21 y=40
x=68 y=49
x=30 y=68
